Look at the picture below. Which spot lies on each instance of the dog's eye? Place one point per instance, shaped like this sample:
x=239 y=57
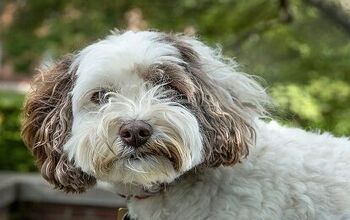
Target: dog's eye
x=100 y=96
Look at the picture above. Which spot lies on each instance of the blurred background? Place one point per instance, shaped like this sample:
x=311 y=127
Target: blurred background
x=300 y=49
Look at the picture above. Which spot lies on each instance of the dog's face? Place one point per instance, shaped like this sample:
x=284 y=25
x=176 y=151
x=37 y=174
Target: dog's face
x=139 y=108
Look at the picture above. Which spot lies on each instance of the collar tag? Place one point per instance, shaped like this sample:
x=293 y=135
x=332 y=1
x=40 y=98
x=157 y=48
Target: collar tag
x=122 y=214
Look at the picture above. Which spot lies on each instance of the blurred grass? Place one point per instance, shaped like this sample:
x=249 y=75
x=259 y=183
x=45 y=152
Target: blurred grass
x=322 y=103
x=13 y=153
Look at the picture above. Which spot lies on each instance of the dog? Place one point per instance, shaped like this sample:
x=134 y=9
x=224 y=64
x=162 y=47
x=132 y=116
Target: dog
x=169 y=123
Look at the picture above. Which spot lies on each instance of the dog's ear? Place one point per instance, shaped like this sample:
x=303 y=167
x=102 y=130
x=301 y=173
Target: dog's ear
x=47 y=126
x=226 y=102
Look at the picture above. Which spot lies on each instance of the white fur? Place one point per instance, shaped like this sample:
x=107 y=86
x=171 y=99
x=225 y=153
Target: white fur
x=112 y=63
x=289 y=173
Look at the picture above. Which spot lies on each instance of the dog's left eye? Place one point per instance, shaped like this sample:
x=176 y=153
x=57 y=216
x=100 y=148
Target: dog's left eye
x=100 y=96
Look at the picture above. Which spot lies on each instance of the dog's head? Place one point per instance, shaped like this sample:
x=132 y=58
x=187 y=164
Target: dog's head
x=139 y=108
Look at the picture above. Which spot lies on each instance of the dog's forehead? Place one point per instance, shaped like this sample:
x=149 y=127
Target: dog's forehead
x=116 y=58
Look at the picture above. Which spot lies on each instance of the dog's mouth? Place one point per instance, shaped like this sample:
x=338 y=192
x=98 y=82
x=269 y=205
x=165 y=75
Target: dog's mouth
x=132 y=153
x=145 y=165
x=151 y=152
x=141 y=154
x=157 y=154
x=136 y=157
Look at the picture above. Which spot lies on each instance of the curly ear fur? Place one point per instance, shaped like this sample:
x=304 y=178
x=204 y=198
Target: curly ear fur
x=226 y=102
x=47 y=126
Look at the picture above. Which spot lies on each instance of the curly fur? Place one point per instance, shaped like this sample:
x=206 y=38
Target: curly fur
x=209 y=146
x=47 y=125
x=227 y=133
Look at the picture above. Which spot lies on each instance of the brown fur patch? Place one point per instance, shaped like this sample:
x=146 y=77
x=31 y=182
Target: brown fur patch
x=170 y=74
x=47 y=126
x=227 y=135
x=165 y=149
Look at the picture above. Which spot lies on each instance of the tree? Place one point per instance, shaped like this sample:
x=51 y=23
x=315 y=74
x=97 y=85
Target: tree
x=337 y=10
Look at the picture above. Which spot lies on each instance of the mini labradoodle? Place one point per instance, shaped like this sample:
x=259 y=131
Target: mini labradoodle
x=174 y=127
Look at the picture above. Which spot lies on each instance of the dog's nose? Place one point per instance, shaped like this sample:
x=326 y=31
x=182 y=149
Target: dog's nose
x=135 y=133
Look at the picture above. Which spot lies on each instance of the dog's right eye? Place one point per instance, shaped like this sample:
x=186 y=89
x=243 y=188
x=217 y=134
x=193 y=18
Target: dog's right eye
x=99 y=97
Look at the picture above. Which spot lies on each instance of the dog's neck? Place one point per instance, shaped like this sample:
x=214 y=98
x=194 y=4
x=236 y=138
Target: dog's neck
x=140 y=192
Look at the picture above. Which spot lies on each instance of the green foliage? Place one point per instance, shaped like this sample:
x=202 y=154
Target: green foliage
x=322 y=104
x=305 y=63
x=13 y=154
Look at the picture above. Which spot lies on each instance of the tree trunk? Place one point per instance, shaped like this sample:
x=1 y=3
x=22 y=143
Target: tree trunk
x=336 y=10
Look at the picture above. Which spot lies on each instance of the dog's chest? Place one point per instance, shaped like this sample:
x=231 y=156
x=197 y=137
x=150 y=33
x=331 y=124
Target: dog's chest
x=188 y=199
x=216 y=194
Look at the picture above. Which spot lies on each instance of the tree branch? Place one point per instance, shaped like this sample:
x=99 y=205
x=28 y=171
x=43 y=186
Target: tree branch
x=285 y=12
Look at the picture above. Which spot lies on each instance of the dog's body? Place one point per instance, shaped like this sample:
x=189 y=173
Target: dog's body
x=290 y=174
x=169 y=123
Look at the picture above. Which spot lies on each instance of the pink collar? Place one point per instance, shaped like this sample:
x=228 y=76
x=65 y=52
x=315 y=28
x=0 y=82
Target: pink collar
x=147 y=193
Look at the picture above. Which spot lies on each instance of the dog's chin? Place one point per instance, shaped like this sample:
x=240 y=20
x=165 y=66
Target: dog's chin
x=145 y=171
x=159 y=160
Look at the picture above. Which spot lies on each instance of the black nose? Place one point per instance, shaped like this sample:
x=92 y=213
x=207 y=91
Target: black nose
x=135 y=133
